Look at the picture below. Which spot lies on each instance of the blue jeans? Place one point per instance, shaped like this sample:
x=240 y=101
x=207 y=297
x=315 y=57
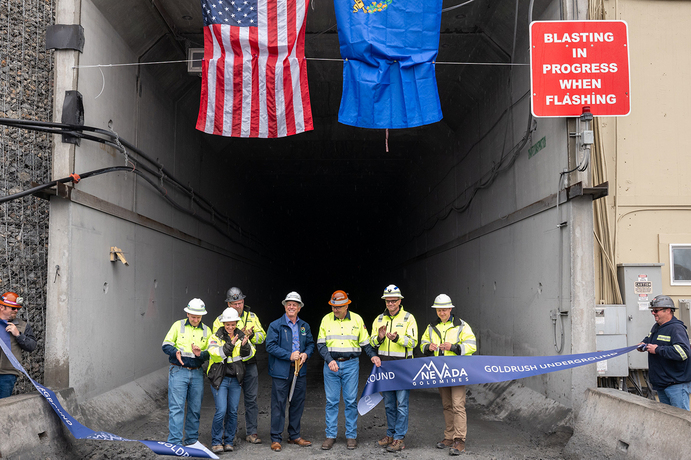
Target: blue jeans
x=676 y=395
x=280 y=390
x=346 y=379
x=396 y=403
x=227 y=398
x=250 y=386
x=184 y=386
x=7 y=385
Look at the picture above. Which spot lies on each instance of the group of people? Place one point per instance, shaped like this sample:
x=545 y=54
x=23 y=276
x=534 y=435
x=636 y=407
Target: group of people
x=230 y=347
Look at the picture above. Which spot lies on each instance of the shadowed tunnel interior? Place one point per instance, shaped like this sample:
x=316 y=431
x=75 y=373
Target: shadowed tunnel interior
x=332 y=208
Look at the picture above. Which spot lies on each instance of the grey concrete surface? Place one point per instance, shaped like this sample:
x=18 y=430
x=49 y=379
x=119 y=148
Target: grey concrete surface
x=494 y=432
x=616 y=425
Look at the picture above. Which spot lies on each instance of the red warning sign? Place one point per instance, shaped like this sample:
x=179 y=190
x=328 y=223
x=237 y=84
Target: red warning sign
x=579 y=63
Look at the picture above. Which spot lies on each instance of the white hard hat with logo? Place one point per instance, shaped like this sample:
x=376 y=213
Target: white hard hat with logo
x=442 y=301
x=295 y=297
x=229 y=314
x=392 y=291
x=196 y=307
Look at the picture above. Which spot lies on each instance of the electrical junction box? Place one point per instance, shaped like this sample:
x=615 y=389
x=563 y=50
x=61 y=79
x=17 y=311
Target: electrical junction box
x=610 y=334
x=639 y=284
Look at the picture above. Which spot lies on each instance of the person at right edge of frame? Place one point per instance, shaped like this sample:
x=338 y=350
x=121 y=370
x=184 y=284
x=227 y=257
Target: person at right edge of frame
x=394 y=336
x=450 y=336
x=668 y=347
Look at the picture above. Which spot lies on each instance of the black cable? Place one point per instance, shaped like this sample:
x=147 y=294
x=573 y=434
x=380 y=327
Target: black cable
x=120 y=144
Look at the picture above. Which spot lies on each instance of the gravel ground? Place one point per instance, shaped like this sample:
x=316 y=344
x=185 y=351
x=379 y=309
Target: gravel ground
x=488 y=438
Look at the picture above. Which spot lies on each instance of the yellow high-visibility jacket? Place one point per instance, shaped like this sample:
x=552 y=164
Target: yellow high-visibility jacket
x=404 y=324
x=247 y=320
x=455 y=331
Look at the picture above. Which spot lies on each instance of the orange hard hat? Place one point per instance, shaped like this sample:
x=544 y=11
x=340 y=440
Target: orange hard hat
x=12 y=299
x=339 y=298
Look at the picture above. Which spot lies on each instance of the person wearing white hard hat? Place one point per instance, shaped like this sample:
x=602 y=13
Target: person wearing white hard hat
x=186 y=345
x=289 y=343
x=229 y=349
x=394 y=336
x=450 y=336
x=251 y=326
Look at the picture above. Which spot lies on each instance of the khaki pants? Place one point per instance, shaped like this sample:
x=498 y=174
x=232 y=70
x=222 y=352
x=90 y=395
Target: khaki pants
x=453 y=401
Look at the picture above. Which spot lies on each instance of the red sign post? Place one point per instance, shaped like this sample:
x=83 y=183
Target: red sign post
x=579 y=63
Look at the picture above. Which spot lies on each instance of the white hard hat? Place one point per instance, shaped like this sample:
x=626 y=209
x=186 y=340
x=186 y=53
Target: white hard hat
x=196 y=307
x=442 y=301
x=392 y=291
x=229 y=314
x=295 y=297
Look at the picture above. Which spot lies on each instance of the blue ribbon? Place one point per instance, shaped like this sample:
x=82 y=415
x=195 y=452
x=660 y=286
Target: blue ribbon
x=79 y=431
x=446 y=371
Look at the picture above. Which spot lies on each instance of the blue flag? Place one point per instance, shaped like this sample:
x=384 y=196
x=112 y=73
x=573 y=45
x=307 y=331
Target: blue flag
x=446 y=371
x=389 y=48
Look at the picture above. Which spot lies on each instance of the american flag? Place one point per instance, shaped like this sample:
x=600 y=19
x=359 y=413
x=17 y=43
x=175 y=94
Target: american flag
x=254 y=73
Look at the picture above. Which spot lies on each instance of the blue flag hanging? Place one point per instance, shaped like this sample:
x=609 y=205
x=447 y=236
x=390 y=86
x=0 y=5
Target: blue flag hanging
x=389 y=48
x=79 y=431
x=446 y=371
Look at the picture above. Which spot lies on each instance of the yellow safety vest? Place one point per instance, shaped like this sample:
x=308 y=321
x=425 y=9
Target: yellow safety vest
x=406 y=327
x=182 y=335
x=216 y=354
x=347 y=335
x=456 y=334
x=248 y=319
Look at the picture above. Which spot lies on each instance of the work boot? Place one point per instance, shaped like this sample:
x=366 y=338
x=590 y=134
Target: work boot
x=396 y=446
x=458 y=447
x=228 y=447
x=253 y=439
x=276 y=446
x=328 y=443
x=351 y=443
x=216 y=449
x=385 y=441
x=300 y=442
x=445 y=444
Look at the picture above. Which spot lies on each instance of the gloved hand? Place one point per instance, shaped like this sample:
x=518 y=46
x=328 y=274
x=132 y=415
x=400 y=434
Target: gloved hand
x=228 y=348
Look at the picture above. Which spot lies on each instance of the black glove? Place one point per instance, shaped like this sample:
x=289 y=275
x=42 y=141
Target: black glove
x=228 y=348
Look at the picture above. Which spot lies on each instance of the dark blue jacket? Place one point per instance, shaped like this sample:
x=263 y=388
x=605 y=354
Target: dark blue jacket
x=279 y=346
x=670 y=364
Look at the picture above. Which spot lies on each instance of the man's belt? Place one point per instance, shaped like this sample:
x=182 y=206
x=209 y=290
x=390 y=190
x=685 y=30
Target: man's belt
x=184 y=367
x=340 y=360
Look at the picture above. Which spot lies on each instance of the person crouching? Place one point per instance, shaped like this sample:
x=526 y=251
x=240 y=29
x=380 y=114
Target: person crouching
x=229 y=347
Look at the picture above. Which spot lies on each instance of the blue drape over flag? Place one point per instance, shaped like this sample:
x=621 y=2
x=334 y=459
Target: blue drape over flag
x=389 y=48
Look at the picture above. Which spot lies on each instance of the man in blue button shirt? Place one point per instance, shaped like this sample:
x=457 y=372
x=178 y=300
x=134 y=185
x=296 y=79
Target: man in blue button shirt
x=288 y=340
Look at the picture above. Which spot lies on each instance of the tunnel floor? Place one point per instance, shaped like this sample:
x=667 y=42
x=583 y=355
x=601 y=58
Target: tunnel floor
x=488 y=437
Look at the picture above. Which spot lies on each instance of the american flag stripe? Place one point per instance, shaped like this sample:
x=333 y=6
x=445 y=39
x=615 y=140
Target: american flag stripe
x=254 y=80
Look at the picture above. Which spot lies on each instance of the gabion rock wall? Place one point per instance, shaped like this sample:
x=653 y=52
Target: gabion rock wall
x=26 y=92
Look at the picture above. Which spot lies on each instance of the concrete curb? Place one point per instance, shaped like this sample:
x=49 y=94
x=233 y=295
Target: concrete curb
x=29 y=424
x=128 y=402
x=617 y=425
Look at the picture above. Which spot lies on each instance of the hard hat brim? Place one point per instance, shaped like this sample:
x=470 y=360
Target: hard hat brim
x=392 y=295
x=198 y=313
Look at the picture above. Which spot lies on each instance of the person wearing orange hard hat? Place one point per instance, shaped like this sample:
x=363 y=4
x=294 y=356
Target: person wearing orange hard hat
x=17 y=335
x=342 y=337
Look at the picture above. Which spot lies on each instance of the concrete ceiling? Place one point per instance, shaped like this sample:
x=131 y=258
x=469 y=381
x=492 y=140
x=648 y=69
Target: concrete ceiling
x=338 y=182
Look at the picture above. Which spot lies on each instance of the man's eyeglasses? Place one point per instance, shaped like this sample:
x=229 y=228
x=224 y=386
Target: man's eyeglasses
x=13 y=308
x=656 y=310
x=391 y=301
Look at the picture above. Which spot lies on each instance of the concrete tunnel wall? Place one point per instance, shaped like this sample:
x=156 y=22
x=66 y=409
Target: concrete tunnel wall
x=108 y=320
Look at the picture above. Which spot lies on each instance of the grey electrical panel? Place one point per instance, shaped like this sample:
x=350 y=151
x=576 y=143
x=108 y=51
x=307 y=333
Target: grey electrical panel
x=639 y=283
x=610 y=334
